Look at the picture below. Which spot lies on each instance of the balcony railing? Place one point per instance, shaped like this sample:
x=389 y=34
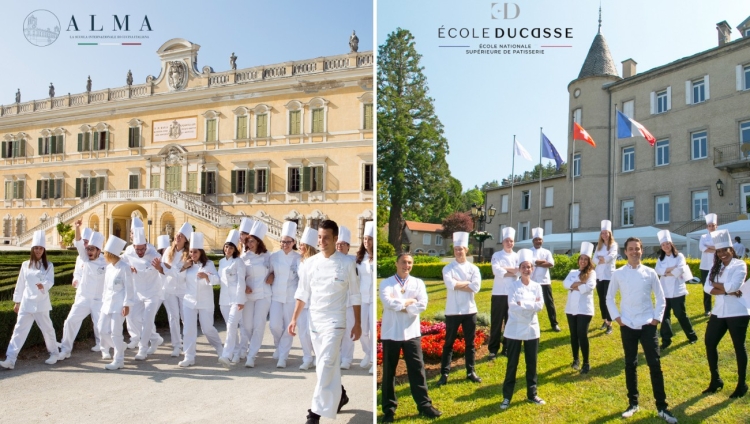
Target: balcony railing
x=733 y=156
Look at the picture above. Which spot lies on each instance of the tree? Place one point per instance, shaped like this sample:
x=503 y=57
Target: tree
x=472 y=197
x=411 y=145
x=457 y=221
x=490 y=184
x=383 y=206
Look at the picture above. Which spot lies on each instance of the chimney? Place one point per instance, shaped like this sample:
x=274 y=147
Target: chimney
x=628 y=68
x=724 y=32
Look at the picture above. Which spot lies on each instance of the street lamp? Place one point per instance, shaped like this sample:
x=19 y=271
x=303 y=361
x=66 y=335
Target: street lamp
x=481 y=215
x=720 y=187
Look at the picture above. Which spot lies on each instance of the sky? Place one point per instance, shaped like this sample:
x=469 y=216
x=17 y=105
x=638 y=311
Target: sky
x=258 y=32
x=484 y=100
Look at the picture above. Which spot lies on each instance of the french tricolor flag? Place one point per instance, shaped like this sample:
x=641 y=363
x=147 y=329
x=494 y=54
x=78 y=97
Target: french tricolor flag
x=627 y=128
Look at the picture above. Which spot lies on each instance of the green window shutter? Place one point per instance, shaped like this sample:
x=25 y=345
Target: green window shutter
x=95 y=141
x=15 y=189
x=20 y=185
x=101 y=184
x=92 y=186
x=53 y=144
x=306 y=180
x=106 y=140
x=233 y=182
x=203 y=182
x=294 y=122
x=250 y=182
x=4 y=152
x=22 y=148
x=59 y=186
x=60 y=144
x=131 y=137
x=137 y=138
x=78 y=187
x=289 y=179
x=266 y=177
x=133 y=182
x=368 y=117
x=262 y=128
x=41 y=150
x=319 y=178
x=80 y=143
x=211 y=130
x=38 y=189
x=317 y=120
x=241 y=127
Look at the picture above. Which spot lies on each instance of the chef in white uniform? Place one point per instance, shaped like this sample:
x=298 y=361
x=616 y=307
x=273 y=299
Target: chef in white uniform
x=579 y=308
x=366 y=271
x=231 y=297
x=77 y=277
x=673 y=272
x=525 y=300
x=162 y=243
x=32 y=304
x=505 y=268
x=347 y=345
x=706 y=246
x=246 y=225
x=328 y=279
x=308 y=248
x=542 y=263
x=119 y=296
x=257 y=264
x=604 y=259
x=89 y=289
x=284 y=265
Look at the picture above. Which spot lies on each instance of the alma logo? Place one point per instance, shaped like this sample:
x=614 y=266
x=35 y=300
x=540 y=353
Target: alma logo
x=497 y=10
x=117 y=24
x=41 y=28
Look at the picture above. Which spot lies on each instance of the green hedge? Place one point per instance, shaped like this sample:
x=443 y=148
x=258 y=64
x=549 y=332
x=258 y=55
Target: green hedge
x=387 y=265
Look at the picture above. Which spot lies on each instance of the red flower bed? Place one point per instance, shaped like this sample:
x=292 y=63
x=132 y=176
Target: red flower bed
x=433 y=339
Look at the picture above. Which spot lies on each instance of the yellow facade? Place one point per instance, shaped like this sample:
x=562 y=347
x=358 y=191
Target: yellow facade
x=286 y=141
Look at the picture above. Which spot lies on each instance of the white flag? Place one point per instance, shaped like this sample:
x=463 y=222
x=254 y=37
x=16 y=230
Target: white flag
x=520 y=151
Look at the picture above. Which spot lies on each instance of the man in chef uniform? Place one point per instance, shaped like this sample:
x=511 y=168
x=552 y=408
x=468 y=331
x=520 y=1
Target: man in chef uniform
x=343 y=245
x=505 y=268
x=706 y=245
x=543 y=261
x=325 y=283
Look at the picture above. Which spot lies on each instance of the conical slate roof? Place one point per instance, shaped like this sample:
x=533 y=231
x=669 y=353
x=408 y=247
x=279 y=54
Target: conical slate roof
x=599 y=61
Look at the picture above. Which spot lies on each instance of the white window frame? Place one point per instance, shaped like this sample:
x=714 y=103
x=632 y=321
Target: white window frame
x=240 y=112
x=628 y=151
x=549 y=197
x=547 y=225
x=628 y=108
x=426 y=239
x=504 y=203
x=691 y=86
x=261 y=109
x=319 y=103
x=625 y=213
x=744 y=193
x=575 y=211
x=655 y=100
x=578 y=115
x=207 y=116
x=660 y=147
x=659 y=206
x=693 y=140
x=521 y=227
x=576 y=165
x=438 y=240
x=746 y=125
x=526 y=194
x=696 y=213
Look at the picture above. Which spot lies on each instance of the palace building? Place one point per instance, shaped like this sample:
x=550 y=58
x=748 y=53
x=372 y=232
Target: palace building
x=288 y=141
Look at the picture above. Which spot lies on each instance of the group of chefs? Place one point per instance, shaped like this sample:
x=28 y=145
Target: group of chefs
x=522 y=288
x=312 y=288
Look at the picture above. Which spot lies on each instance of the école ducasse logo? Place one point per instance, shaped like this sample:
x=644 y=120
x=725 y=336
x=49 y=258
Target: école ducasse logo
x=41 y=28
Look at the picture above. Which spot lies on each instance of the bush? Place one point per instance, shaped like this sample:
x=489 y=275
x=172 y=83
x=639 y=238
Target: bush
x=385 y=249
x=387 y=265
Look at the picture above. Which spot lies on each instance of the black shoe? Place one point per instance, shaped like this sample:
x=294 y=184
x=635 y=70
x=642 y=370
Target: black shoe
x=344 y=399
x=604 y=326
x=556 y=329
x=429 y=412
x=474 y=377
x=443 y=380
x=609 y=329
x=667 y=416
x=492 y=356
x=585 y=369
x=739 y=392
x=693 y=340
x=312 y=418
x=576 y=365
x=387 y=418
x=665 y=344
x=714 y=386
x=504 y=352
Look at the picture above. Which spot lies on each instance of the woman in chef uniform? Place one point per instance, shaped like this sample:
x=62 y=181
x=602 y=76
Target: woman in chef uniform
x=284 y=266
x=231 y=297
x=119 y=296
x=174 y=285
x=670 y=266
x=257 y=264
x=579 y=309
x=604 y=259
x=308 y=248
x=365 y=265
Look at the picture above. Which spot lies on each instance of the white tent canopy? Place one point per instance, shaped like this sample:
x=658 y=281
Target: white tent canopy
x=739 y=228
x=561 y=241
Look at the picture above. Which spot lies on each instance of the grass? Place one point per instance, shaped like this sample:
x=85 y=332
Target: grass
x=598 y=397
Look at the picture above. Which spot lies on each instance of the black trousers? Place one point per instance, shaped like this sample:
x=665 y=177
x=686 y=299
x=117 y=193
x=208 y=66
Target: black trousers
x=676 y=305
x=549 y=303
x=579 y=335
x=706 y=296
x=601 y=291
x=498 y=317
x=530 y=350
x=715 y=330
x=469 y=325
x=414 y=368
x=650 y=343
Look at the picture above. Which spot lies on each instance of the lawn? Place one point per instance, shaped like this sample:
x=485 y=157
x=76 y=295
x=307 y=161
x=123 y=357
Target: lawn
x=598 y=397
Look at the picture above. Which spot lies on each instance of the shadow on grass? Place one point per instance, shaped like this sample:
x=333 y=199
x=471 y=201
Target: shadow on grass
x=703 y=414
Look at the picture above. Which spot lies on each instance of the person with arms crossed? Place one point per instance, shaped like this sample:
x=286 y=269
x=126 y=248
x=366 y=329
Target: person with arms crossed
x=604 y=259
x=672 y=271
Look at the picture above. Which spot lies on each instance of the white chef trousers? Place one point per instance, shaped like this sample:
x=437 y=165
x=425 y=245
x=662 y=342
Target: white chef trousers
x=281 y=316
x=173 y=305
x=143 y=314
x=21 y=332
x=78 y=312
x=366 y=325
x=110 y=330
x=347 y=344
x=327 y=345
x=233 y=317
x=254 y=318
x=190 y=323
x=303 y=331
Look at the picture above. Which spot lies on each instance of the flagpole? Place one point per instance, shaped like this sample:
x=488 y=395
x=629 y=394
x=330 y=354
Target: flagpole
x=540 y=178
x=572 y=192
x=512 y=179
x=614 y=177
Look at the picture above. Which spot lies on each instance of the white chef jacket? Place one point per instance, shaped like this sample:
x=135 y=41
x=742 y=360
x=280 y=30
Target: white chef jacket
x=523 y=323
x=499 y=261
x=401 y=324
x=673 y=285
x=232 y=278
x=118 y=288
x=256 y=271
x=90 y=275
x=604 y=271
x=541 y=274
x=325 y=284
x=581 y=301
x=146 y=280
x=32 y=299
x=366 y=277
x=635 y=286
x=459 y=302
x=732 y=276
x=174 y=280
x=707 y=259
x=199 y=293
x=285 y=268
x=739 y=248
x=150 y=250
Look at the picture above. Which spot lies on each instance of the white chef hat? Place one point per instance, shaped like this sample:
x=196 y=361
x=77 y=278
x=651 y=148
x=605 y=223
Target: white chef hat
x=234 y=238
x=461 y=239
x=663 y=236
x=162 y=242
x=537 y=232
x=345 y=235
x=606 y=225
x=289 y=229
x=370 y=229
x=508 y=232
x=38 y=239
x=186 y=230
x=525 y=255
x=310 y=237
x=196 y=240
x=96 y=240
x=259 y=229
x=136 y=223
x=86 y=234
x=712 y=219
x=139 y=237
x=114 y=245
x=587 y=249
x=246 y=224
x=721 y=239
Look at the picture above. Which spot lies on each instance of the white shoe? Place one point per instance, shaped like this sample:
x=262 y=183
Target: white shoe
x=8 y=364
x=225 y=361
x=141 y=355
x=96 y=348
x=133 y=344
x=186 y=363
x=236 y=358
x=176 y=352
x=281 y=364
x=305 y=365
x=365 y=362
x=115 y=365
x=52 y=359
x=63 y=355
x=275 y=354
x=250 y=363
x=106 y=355
x=345 y=365
x=153 y=346
x=372 y=368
